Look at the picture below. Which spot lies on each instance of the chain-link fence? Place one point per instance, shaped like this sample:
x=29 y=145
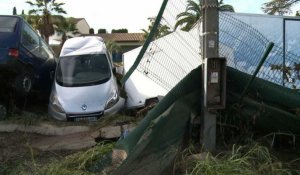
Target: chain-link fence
x=172 y=54
x=243 y=46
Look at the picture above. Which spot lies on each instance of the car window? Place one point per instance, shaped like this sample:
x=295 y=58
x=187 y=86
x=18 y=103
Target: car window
x=35 y=44
x=8 y=24
x=31 y=40
x=83 y=70
x=45 y=51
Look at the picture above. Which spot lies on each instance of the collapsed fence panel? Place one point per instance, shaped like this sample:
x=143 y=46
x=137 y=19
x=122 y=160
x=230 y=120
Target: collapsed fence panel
x=170 y=60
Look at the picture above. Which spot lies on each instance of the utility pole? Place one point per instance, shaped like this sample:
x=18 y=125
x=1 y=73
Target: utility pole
x=214 y=74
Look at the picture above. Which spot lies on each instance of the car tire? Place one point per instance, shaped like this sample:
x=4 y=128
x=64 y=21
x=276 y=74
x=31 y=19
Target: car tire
x=23 y=83
x=3 y=111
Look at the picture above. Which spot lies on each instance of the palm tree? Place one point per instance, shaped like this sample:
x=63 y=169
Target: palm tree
x=192 y=14
x=279 y=7
x=113 y=47
x=33 y=20
x=65 y=26
x=43 y=10
x=162 y=29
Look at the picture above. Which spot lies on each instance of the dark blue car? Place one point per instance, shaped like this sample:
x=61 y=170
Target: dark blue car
x=26 y=61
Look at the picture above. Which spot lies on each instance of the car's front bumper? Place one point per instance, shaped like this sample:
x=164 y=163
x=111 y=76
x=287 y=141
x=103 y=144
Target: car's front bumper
x=56 y=114
x=63 y=116
x=117 y=107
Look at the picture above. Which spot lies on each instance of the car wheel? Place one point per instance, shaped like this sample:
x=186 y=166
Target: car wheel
x=3 y=111
x=23 y=83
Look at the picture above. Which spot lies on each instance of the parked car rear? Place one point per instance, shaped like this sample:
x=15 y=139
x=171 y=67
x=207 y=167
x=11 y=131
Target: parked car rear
x=26 y=62
x=25 y=59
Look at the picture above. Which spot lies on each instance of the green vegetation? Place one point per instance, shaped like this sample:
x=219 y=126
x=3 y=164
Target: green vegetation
x=189 y=18
x=113 y=47
x=247 y=160
x=14 y=11
x=91 y=31
x=162 y=30
x=81 y=163
x=102 y=31
x=119 y=31
x=28 y=118
x=40 y=16
x=280 y=7
x=64 y=26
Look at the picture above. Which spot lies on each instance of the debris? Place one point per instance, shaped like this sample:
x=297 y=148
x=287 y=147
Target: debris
x=111 y=132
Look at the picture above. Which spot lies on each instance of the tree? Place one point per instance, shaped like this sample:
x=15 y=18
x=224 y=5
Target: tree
x=162 y=30
x=192 y=14
x=279 y=7
x=42 y=12
x=66 y=27
x=91 y=31
x=119 y=31
x=113 y=47
x=23 y=14
x=102 y=31
x=14 y=11
x=33 y=20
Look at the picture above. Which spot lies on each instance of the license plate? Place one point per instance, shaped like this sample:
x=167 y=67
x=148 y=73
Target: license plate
x=90 y=119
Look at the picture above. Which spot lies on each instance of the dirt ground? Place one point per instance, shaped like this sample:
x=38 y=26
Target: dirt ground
x=16 y=151
x=16 y=148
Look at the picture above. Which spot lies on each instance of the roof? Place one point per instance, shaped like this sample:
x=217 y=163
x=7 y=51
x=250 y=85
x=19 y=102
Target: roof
x=120 y=37
x=83 y=45
x=76 y=20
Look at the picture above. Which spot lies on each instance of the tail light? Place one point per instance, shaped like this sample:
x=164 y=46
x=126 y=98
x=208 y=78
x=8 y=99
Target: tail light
x=13 y=53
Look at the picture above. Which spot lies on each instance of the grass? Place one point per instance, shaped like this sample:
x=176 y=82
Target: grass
x=251 y=159
x=27 y=118
x=34 y=118
x=247 y=160
x=81 y=163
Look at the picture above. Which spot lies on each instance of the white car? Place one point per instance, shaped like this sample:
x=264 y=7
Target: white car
x=85 y=87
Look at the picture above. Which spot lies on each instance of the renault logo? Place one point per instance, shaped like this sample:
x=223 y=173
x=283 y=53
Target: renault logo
x=84 y=107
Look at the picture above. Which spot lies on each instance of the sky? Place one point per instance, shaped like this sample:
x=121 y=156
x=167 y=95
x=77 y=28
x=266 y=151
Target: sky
x=117 y=14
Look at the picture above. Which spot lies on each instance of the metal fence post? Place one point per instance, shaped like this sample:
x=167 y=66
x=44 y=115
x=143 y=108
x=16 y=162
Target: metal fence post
x=210 y=51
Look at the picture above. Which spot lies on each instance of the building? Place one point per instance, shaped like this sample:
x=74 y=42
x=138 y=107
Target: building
x=124 y=41
x=82 y=29
x=127 y=41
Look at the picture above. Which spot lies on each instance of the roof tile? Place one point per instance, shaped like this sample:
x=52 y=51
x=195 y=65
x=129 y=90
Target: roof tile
x=120 y=37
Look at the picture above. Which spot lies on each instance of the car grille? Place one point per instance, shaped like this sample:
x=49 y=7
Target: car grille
x=87 y=116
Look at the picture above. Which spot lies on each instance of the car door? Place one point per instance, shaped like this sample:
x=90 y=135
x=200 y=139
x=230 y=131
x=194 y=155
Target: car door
x=39 y=56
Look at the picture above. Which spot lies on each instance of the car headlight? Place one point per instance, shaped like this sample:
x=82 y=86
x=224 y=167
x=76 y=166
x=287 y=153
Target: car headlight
x=112 y=100
x=55 y=103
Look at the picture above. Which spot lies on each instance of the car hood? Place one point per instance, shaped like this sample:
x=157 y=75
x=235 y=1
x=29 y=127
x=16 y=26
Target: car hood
x=94 y=98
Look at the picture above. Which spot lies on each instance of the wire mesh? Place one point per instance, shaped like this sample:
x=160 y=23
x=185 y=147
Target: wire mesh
x=243 y=46
x=170 y=57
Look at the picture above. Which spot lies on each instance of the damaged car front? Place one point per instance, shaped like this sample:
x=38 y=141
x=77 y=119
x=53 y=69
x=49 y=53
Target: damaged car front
x=85 y=87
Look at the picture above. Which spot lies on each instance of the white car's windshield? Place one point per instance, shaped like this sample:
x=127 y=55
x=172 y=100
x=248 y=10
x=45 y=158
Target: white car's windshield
x=83 y=70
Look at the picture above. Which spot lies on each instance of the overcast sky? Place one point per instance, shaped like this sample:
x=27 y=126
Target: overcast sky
x=116 y=14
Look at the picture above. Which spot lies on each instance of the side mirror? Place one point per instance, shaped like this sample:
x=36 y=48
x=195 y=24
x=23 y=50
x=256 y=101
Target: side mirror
x=114 y=70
